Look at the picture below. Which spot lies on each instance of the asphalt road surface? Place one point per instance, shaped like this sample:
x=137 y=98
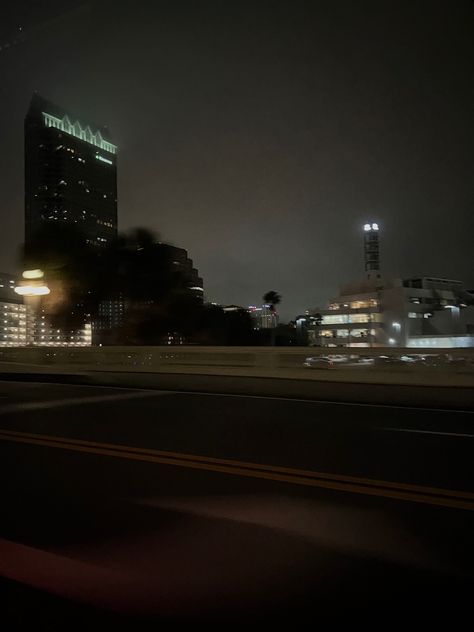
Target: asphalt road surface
x=137 y=506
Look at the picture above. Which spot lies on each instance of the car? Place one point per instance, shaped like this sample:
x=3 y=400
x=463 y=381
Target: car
x=366 y=360
x=318 y=362
x=338 y=358
x=411 y=359
x=386 y=359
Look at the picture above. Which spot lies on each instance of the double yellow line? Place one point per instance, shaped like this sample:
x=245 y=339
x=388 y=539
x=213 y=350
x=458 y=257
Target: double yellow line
x=337 y=482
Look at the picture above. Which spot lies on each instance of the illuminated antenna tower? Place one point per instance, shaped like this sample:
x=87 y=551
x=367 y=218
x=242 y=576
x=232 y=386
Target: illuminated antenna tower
x=371 y=250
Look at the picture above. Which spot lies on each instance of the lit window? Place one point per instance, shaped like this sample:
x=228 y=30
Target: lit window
x=358 y=318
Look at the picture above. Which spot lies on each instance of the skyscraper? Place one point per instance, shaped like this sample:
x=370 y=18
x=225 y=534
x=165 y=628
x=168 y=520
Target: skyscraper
x=183 y=264
x=70 y=174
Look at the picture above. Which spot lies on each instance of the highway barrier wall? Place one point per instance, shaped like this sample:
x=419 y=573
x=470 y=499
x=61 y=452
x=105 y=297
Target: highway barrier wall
x=449 y=381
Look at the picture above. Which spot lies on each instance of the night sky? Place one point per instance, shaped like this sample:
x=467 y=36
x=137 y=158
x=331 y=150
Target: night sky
x=261 y=135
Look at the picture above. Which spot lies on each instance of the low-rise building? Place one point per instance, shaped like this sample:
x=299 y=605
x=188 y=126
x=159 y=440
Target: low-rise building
x=394 y=313
x=378 y=312
x=23 y=325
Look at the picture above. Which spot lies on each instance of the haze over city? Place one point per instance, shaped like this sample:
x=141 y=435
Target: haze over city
x=260 y=136
x=236 y=313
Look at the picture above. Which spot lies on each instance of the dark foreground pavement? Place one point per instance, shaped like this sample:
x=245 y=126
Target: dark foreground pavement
x=124 y=506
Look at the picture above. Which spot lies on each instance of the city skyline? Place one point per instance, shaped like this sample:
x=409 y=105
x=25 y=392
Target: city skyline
x=264 y=160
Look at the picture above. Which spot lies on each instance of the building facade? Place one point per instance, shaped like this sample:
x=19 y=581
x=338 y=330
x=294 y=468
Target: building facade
x=393 y=313
x=70 y=174
x=263 y=317
x=41 y=333
x=378 y=312
x=184 y=265
x=7 y=286
x=24 y=323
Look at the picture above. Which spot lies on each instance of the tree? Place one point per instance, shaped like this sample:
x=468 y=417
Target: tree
x=272 y=298
x=135 y=270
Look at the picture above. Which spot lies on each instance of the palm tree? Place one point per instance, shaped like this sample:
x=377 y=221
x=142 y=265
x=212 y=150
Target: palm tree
x=272 y=298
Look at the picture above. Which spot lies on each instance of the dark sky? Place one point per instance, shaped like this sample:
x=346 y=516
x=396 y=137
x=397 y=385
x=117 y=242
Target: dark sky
x=261 y=135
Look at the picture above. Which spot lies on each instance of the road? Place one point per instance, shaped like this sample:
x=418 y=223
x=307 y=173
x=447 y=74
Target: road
x=164 y=505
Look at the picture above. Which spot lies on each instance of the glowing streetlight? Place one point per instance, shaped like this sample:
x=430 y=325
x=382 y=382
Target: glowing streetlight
x=33 y=274
x=32 y=288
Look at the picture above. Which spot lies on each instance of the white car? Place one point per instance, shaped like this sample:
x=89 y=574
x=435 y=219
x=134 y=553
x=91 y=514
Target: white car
x=318 y=362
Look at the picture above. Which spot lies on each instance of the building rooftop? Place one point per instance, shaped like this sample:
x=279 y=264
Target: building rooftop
x=40 y=105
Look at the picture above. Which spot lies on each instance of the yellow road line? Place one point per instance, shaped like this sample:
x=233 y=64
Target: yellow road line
x=351 y=484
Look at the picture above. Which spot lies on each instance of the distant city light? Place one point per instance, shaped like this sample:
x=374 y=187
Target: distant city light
x=33 y=274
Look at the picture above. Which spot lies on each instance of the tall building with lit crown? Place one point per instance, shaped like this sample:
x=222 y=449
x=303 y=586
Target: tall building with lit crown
x=70 y=173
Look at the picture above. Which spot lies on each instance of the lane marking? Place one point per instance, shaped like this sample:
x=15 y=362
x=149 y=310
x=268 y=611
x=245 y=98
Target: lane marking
x=351 y=484
x=74 y=401
x=431 y=432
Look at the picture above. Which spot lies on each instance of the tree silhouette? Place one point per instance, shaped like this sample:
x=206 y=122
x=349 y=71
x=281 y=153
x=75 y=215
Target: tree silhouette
x=135 y=271
x=272 y=298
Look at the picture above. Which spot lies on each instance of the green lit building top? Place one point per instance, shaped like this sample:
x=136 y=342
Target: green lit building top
x=70 y=173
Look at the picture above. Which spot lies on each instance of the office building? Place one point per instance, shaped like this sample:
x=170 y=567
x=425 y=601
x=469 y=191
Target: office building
x=184 y=265
x=20 y=327
x=263 y=317
x=70 y=174
x=378 y=312
x=40 y=333
x=21 y=324
x=13 y=329
x=7 y=286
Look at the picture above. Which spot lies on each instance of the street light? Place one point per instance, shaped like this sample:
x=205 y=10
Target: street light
x=32 y=289
x=33 y=274
x=33 y=286
x=370 y=227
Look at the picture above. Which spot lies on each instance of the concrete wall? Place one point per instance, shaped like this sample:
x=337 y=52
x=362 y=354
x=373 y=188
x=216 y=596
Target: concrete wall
x=165 y=357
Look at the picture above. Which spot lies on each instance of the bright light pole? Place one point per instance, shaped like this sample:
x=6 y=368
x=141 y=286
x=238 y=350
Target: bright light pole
x=32 y=287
